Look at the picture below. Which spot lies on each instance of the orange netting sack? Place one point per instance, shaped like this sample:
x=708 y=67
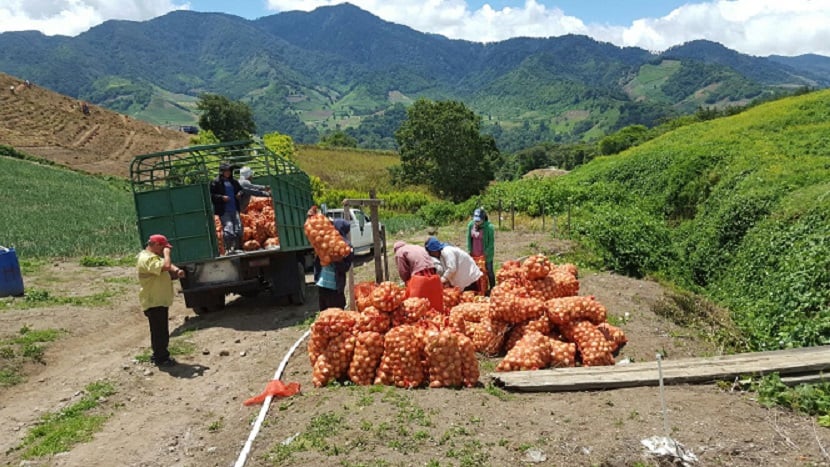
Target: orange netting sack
x=403 y=356
x=372 y=319
x=368 y=351
x=614 y=335
x=443 y=359
x=388 y=296
x=536 y=266
x=452 y=297
x=327 y=242
x=333 y=362
x=594 y=348
x=411 y=311
x=541 y=324
x=565 y=310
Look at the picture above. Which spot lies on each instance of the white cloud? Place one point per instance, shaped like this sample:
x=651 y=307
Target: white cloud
x=72 y=17
x=757 y=27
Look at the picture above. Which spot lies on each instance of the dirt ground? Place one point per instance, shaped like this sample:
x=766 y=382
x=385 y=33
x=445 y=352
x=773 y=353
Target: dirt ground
x=46 y=124
x=192 y=414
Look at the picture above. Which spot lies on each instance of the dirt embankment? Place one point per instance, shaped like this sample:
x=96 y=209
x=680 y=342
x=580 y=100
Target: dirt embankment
x=46 y=124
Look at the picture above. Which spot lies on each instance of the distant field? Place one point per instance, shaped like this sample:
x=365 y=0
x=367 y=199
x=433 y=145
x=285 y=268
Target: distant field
x=649 y=80
x=348 y=169
x=65 y=214
x=167 y=108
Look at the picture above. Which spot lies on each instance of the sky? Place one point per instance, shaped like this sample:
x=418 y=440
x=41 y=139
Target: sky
x=755 y=27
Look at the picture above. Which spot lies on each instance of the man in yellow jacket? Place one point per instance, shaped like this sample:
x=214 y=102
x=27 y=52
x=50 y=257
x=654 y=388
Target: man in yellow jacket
x=155 y=275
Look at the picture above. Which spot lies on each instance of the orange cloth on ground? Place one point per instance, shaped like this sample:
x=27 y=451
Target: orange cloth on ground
x=274 y=388
x=429 y=287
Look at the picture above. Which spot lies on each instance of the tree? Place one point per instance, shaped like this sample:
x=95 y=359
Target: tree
x=229 y=120
x=442 y=147
x=204 y=137
x=338 y=139
x=280 y=144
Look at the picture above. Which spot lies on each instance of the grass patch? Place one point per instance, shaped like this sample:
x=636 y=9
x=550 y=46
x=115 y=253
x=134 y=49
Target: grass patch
x=811 y=399
x=498 y=393
x=27 y=347
x=59 y=431
x=179 y=346
x=37 y=298
x=107 y=261
x=703 y=317
x=315 y=437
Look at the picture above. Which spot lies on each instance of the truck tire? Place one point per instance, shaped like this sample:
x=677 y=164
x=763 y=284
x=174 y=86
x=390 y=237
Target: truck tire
x=210 y=303
x=299 y=296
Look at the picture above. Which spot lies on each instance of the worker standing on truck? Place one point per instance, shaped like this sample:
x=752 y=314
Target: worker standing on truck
x=225 y=193
x=331 y=279
x=155 y=275
x=249 y=188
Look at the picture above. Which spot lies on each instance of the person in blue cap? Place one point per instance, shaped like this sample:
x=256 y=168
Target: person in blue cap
x=460 y=270
x=481 y=242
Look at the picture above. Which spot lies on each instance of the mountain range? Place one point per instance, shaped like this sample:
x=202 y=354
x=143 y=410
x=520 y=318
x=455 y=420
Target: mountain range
x=342 y=68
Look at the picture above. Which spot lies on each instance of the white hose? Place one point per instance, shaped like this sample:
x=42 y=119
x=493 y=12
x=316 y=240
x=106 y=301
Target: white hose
x=243 y=455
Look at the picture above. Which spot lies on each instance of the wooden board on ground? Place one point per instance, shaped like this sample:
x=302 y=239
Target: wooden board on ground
x=810 y=360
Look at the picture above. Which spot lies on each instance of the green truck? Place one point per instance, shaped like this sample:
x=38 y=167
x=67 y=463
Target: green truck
x=171 y=193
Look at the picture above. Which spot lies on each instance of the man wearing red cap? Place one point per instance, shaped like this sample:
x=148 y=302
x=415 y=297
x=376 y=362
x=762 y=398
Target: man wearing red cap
x=155 y=275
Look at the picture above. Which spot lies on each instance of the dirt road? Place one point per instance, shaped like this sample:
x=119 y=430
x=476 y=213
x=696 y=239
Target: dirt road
x=192 y=414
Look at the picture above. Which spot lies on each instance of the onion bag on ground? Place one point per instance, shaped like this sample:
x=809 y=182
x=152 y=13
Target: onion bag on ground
x=403 y=356
x=368 y=351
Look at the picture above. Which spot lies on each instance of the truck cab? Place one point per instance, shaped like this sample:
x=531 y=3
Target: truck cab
x=361 y=229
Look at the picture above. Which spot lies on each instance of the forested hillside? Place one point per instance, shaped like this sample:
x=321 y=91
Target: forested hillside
x=737 y=208
x=337 y=68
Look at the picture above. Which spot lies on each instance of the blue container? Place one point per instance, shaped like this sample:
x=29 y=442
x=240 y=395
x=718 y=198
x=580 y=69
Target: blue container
x=11 y=282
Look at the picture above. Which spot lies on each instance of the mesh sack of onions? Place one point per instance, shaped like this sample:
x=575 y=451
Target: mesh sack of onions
x=443 y=359
x=594 y=349
x=324 y=238
x=567 y=285
x=452 y=297
x=329 y=324
x=402 y=361
x=468 y=296
x=541 y=324
x=487 y=335
x=388 y=296
x=469 y=363
x=565 y=310
x=220 y=236
x=536 y=266
x=512 y=305
x=510 y=270
x=544 y=288
x=436 y=321
x=614 y=335
x=412 y=310
x=474 y=312
x=368 y=350
x=333 y=363
x=372 y=319
x=567 y=268
x=531 y=352
x=562 y=354
x=251 y=245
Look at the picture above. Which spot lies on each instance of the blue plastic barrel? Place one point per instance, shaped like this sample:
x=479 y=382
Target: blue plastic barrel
x=11 y=282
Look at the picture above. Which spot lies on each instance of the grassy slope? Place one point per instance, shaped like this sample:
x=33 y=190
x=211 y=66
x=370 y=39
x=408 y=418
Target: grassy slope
x=738 y=208
x=348 y=169
x=50 y=211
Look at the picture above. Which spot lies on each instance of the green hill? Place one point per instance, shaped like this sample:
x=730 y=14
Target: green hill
x=49 y=211
x=737 y=208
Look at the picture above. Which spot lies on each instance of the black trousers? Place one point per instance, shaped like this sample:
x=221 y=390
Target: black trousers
x=331 y=298
x=159 y=334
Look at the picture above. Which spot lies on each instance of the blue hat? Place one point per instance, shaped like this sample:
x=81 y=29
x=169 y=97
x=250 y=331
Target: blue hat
x=478 y=215
x=433 y=244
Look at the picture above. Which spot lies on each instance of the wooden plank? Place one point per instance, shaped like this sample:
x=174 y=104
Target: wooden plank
x=690 y=370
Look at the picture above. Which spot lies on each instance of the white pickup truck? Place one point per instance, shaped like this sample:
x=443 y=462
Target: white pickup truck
x=361 y=230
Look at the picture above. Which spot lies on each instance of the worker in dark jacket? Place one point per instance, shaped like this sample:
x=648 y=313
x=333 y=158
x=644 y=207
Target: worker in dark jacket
x=331 y=279
x=225 y=193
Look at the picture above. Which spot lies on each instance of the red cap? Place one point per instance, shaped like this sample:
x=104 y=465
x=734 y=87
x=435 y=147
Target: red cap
x=159 y=239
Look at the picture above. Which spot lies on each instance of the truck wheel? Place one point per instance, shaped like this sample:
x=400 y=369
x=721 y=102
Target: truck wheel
x=299 y=297
x=211 y=304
